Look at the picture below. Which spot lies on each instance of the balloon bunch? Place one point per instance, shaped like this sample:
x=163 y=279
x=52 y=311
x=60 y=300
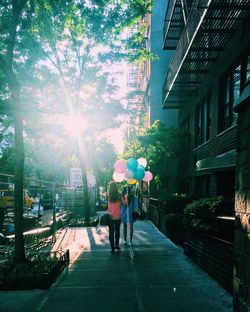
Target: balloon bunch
x=132 y=170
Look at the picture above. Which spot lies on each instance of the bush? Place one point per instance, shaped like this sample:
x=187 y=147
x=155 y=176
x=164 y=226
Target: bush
x=38 y=273
x=171 y=211
x=174 y=203
x=212 y=206
x=200 y=215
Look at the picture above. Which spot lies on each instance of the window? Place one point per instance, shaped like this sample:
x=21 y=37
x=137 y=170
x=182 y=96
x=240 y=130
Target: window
x=232 y=85
x=226 y=103
x=230 y=95
x=226 y=189
x=247 y=80
x=202 y=185
x=245 y=75
x=236 y=90
x=202 y=122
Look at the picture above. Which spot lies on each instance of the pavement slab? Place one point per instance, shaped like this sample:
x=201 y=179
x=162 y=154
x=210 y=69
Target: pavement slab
x=158 y=278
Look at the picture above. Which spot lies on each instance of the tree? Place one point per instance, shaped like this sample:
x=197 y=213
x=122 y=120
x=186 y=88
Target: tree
x=71 y=46
x=66 y=35
x=7 y=68
x=158 y=144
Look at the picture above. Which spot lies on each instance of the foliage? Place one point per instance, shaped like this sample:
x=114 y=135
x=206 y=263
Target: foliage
x=200 y=215
x=171 y=213
x=7 y=160
x=48 y=54
x=38 y=273
x=158 y=144
x=212 y=206
x=57 y=64
x=174 y=203
x=7 y=155
x=136 y=45
x=131 y=46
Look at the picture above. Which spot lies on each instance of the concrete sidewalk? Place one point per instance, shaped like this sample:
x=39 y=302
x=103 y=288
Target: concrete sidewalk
x=160 y=278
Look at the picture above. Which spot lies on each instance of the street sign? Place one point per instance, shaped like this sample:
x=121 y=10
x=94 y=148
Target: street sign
x=75 y=180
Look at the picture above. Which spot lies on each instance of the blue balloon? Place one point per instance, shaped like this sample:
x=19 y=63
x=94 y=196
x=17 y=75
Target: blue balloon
x=139 y=173
x=132 y=164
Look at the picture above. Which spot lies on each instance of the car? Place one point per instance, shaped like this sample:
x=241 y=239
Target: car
x=36 y=209
x=28 y=199
x=8 y=198
x=47 y=200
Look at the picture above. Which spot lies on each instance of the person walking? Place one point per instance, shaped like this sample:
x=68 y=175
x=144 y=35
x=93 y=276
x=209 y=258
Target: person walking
x=127 y=207
x=114 y=211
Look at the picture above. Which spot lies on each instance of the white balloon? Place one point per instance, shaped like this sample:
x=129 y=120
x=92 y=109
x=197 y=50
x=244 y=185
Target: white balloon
x=118 y=177
x=129 y=174
x=142 y=161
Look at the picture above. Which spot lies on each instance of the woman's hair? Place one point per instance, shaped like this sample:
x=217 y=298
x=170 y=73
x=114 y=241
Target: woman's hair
x=128 y=190
x=114 y=195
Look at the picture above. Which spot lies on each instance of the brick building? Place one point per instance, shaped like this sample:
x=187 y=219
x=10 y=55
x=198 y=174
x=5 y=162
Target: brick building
x=207 y=82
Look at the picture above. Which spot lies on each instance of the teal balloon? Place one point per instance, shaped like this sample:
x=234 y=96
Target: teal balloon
x=132 y=164
x=139 y=173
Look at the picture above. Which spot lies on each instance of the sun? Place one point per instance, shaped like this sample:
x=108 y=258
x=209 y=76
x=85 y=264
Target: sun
x=75 y=125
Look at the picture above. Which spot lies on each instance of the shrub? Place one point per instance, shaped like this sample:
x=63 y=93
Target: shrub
x=200 y=215
x=37 y=273
x=171 y=211
x=212 y=206
x=174 y=203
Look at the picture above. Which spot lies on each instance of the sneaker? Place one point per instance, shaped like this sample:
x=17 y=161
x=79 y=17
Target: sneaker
x=125 y=243
x=112 y=251
x=117 y=248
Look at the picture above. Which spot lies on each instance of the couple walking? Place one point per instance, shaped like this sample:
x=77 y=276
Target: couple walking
x=120 y=207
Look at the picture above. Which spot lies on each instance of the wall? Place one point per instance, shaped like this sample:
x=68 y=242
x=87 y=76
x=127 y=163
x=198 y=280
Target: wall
x=159 y=67
x=242 y=210
x=218 y=143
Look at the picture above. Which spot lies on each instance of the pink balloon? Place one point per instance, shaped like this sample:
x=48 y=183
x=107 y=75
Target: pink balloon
x=148 y=176
x=120 y=166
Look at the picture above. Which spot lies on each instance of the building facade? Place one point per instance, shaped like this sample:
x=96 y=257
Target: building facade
x=138 y=73
x=207 y=81
x=158 y=66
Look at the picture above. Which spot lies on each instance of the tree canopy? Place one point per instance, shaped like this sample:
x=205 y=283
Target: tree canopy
x=58 y=49
x=50 y=70
x=159 y=145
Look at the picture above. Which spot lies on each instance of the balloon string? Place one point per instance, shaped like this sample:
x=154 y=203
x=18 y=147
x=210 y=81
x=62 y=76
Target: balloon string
x=128 y=225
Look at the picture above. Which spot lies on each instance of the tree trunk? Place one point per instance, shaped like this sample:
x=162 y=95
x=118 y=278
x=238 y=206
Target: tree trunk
x=19 y=160
x=6 y=64
x=19 y=167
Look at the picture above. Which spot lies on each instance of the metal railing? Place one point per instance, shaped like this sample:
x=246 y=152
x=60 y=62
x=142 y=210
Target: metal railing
x=219 y=227
x=35 y=241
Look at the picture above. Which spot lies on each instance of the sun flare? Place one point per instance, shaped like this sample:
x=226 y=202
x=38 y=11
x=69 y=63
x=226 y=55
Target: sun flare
x=75 y=125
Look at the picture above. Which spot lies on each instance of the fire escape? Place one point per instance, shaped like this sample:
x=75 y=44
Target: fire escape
x=198 y=31
x=137 y=89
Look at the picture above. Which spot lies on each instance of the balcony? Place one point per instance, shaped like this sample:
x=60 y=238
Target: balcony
x=174 y=23
x=198 y=36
